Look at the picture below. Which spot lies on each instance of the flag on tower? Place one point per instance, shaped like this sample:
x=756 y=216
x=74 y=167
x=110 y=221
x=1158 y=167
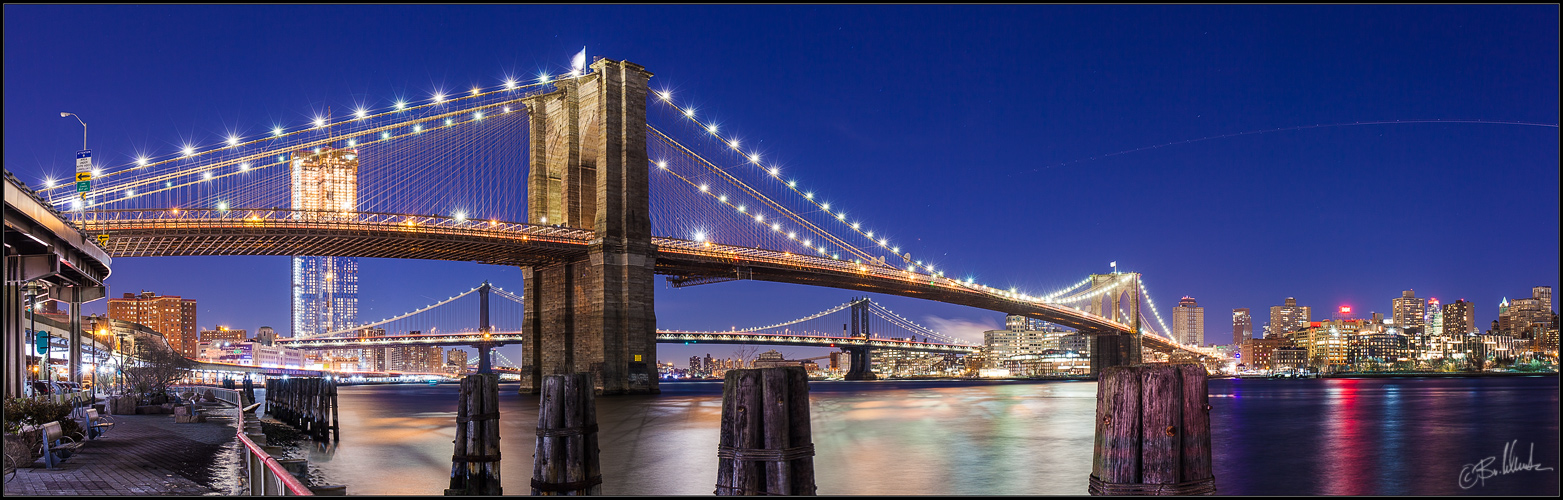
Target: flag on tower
x=1114 y=264
x=579 y=62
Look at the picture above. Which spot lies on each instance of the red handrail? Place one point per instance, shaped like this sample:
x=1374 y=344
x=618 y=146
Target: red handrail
x=288 y=481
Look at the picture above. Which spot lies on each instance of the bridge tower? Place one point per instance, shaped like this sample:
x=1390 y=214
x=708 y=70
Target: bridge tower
x=485 y=349
x=1121 y=303
x=859 y=357
x=589 y=170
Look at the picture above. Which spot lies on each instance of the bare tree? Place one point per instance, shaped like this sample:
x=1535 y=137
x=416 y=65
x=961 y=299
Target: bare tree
x=157 y=367
x=745 y=355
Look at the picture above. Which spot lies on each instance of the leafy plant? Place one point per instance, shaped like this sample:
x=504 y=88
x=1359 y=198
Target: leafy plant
x=36 y=412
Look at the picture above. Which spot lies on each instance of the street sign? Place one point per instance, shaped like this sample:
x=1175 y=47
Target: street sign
x=83 y=176
x=43 y=342
x=84 y=160
x=103 y=239
x=83 y=186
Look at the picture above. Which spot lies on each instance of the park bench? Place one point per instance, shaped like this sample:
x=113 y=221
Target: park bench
x=97 y=424
x=56 y=445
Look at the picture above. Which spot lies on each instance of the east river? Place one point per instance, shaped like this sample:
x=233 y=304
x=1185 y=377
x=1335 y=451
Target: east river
x=1412 y=436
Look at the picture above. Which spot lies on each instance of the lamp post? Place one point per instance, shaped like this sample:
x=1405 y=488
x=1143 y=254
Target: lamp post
x=83 y=127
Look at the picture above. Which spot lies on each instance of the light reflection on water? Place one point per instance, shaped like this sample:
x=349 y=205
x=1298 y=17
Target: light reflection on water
x=1375 y=437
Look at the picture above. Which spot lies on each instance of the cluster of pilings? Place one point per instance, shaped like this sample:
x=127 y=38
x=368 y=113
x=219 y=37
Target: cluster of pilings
x=306 y=403
x=1152 y=434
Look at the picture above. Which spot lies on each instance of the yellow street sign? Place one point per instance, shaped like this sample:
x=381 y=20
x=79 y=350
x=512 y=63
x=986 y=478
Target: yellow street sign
x=83 y=176
x=103 y=239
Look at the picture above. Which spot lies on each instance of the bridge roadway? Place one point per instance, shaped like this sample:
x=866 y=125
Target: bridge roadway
x=663 y=337
x=176 y=232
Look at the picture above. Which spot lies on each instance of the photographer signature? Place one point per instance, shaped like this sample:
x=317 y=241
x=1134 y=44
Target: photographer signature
x=1477 y=473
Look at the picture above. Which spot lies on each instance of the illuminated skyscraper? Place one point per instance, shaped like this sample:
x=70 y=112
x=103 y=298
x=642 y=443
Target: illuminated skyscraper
x=1460 y=318
x=170 y=315
x=1242 y=326
x=1188 y=322
x=1408 y=310
x=325 y=289
x=1288 y=317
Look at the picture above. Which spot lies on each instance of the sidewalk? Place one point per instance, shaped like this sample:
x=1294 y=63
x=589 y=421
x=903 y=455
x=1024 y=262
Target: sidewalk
x=144 y=455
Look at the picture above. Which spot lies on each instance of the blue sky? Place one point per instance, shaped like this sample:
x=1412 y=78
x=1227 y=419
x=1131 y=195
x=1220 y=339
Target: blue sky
x=1013 y=143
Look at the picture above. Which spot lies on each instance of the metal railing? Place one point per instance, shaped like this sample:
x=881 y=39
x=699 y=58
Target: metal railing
x=230 y=396
x=266 y=475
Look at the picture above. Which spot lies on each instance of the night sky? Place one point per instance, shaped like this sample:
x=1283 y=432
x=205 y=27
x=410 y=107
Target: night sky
x=1027 y=146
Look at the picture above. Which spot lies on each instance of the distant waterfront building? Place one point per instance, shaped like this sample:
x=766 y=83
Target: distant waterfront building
x=1289 y=317
x=1460 y=318
x=416 y=358
x=223 y=333
x=1545 y=294
x=1526 y=318
x=1188 y=322
x=1242 y=326
x=456 y=362
x=171 y=315
x=249 y=354
x=1408 y=310
x=266 y=335
x=325 y=289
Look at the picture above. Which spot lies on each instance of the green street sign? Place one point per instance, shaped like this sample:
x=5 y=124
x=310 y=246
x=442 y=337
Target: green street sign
x=83 y=186
x=42 y=342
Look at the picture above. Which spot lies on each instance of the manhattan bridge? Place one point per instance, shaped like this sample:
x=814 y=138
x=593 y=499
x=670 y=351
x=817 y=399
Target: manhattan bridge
x=621 y=183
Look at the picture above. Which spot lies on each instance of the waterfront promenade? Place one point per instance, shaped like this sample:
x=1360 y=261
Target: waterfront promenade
x=143 y=455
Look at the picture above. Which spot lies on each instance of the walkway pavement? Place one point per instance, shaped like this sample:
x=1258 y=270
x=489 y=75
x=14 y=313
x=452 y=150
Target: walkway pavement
x=144 y=455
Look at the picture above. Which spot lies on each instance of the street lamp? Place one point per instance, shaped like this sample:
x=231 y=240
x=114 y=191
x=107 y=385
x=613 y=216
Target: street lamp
x=83 y=127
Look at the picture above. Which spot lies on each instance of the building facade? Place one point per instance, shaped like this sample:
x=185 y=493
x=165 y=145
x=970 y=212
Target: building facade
x=1408 y=310
x=1460 y=318
x=1188 y=322
x=325 y=289
x=171 y=315
x=1288 y=317
x=1242 y=326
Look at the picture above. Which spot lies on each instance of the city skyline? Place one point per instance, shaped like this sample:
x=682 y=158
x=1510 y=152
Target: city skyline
x=1116 y=152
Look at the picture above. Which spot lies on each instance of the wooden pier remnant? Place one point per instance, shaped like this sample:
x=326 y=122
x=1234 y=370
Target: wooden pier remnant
x=474 y=468
x=767 y=446
x=566 y=459
x=308 y=404
x=1152 y=431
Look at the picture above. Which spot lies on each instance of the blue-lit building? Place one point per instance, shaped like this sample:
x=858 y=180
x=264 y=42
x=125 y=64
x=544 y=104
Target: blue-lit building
x=325 y=289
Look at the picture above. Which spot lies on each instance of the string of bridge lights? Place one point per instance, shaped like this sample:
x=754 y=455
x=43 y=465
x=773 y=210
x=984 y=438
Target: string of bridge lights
x=359 y=113
x=753 y=158
x=800 y=320
x=925 y=329
x=1152 y=303
x=394 y=318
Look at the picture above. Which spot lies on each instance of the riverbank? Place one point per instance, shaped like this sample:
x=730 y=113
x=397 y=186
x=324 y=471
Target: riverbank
x=1441 y=375
x=143 y=455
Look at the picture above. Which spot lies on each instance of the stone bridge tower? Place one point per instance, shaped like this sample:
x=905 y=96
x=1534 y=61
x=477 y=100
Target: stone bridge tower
x=1121 y=303
x=589 y=170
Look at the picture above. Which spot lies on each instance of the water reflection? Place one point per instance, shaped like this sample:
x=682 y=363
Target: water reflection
x=1380 y=437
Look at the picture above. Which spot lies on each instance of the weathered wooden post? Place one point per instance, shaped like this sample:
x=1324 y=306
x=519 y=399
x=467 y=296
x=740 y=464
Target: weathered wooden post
x=475 y=465
x=565 y=462
x=767 y=446
x=1152 y=431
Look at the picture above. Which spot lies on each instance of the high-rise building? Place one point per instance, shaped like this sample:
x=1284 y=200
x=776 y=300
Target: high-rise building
x=170 y=315
x=1188 y=322
x=1526 y=318
x=325 y=289
x=456 y=361
x=1242 y=326
x=1460 y=318
x=417 y=358
x=1407 y=310
x=1289 y=317
x=372 y=359
x=1543 y=293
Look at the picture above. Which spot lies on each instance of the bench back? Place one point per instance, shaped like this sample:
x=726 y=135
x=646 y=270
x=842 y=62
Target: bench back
x=52 y=432
x=92 y=415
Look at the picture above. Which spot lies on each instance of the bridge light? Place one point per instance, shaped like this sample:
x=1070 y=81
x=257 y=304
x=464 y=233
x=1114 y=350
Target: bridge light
x=439 y=97
x=276 y=131
x=222 y=206
x=734 y=143
x=825 y=206
x=792 y=235
x=187 y=151
x=507 y=109
x=722 y=198
x=809 y=195
x=510 y=84
x=317 y=151
x=759 y=218
x=448 y=122
x=700 y=236
x=130 y=193
x=352 y=143
x=141 y=161
x=543 y=78
x=461 y=216
x=662 y=164
x=475 y=91
x=806 y=243
x=477 y=115
x=856 y=225
x=320 y=122
x=775 y=172
x=400 y=105
x=755 y=158
x=360 y=112
x=233 y=140
x=711 y=128
x=385 y=136
x=740 y=208
x=776 y=227
x=703 y=188
x=841 y=216
x=207 y=175
x=244 y=166
x=417 y=128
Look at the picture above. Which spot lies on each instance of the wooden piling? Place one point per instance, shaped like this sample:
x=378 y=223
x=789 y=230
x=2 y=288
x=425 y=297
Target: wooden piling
x=475 y=464
x=766 y=446
x=566 y=460
x=1152 y=432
